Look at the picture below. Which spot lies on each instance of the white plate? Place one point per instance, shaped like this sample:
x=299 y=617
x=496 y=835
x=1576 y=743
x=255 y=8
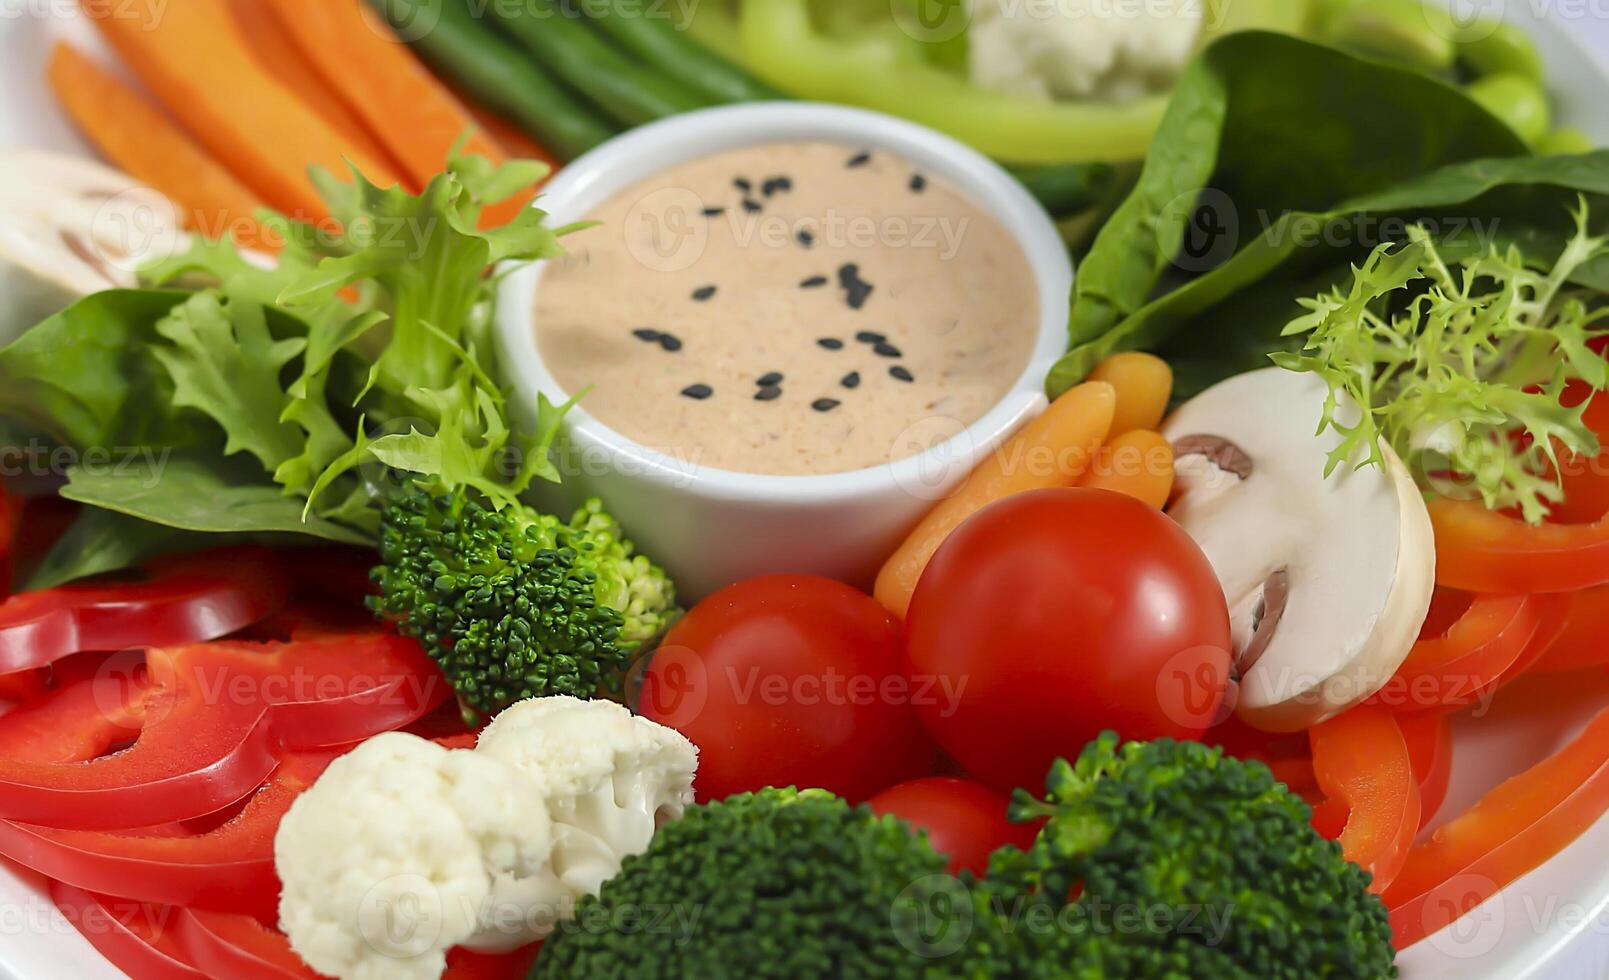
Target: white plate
x=1552 y=923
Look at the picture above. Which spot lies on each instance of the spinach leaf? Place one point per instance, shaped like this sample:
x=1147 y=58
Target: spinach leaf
x=1231 y=318
x=1268 y=139
x=100 y=541
x=201 y=493
x=85 y=375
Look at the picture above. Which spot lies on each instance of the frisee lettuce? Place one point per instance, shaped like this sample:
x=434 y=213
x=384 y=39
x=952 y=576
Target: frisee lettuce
x=255 y=392
x=1461 y=366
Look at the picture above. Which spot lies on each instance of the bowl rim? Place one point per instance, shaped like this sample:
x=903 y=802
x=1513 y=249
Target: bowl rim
x=589 y=180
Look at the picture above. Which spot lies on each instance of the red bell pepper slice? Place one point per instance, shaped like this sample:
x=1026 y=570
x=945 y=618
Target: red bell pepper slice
x=137 y=939
x=238 y=947
x=463 y=964
x=208 y=723
x=1361 y=761
x=182 y=599
x=1451 y=670
x=1584 y=479
x=41 y=522
x=1286 y=754
x=1555 y=618
x=1480 y=550
x=1513 y=829
x=1430 y=751
x=1585 y=640
x=230 y=867
x=10 y=516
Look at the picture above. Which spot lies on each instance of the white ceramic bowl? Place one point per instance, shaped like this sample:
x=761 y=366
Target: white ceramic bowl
x=712 y=527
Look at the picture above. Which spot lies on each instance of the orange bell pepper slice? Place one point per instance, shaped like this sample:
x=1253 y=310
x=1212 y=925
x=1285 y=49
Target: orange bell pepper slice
x=1515 y=828
x=1361 y=761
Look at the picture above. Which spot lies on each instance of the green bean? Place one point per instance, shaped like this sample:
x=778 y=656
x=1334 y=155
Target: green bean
x=496 y=74
x=1517 y=100
x=1067 y=189
x=1496 y=47
x=585 y=61
x=1565 y=142
x=666 y=47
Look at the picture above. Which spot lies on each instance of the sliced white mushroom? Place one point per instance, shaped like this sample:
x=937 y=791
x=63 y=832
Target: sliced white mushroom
x=1328 y=579
x=70 y=227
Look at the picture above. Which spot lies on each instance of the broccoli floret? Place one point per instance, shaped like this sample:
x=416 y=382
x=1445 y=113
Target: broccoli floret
x=514 y=604
x=779 y=883
x=1187 y=863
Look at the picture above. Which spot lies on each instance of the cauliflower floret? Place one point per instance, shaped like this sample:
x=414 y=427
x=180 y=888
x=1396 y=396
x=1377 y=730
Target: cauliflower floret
x=1108 y=50
x=611 y=779
x=389 y=859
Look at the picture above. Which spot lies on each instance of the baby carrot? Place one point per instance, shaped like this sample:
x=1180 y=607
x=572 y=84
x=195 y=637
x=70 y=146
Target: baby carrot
x=1138 y=464
x=1144 y=383
x=1054 y=450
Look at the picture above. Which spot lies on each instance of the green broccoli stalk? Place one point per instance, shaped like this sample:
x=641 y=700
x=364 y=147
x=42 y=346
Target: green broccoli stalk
x=1186 y=863
x=514 y=604
x=779 y=883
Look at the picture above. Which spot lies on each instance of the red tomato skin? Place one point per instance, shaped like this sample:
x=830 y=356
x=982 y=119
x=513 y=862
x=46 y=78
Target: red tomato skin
x=1057 y=614
x=789 y=680
x=965 y=821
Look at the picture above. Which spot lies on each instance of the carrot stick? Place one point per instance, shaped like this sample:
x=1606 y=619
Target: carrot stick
x=1053 y=450
x=135 y=135
x=413 y=114
x=1138 y=464
x=194 y=59
x=279 y=55
x=1144 y=383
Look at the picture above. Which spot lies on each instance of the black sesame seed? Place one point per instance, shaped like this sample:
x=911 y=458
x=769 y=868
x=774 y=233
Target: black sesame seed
x=714 y=212
x=831 y=343
x=751 y=206
x=850 y=380
x=886 y=350
x=900 y=374
x=813 y=282
x=742 y=184
x=770 y=379
x=870 y=337
x=647 y=334
x=855 y=288
x=776 y=184
x=860 y=159
x=918 y=183
x=671 y=343
x=698 y=392
x=805 y=238
x=703 y=293
x=768 y=393
x=824 y=404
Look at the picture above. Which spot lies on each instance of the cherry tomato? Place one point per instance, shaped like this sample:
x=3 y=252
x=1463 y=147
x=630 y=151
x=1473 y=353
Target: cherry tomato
x=1059 y=613
x=790 y=680
x=965 y=821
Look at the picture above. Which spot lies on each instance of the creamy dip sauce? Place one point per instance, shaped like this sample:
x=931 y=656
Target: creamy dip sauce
x=789 y=308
